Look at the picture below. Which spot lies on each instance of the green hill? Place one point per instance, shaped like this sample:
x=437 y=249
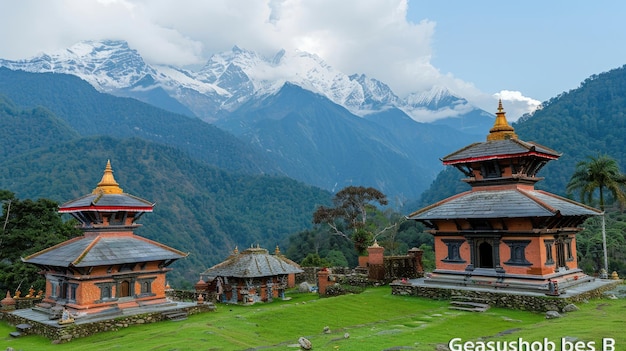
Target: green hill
x=89 y=112
x=585 y=121
x=582 y=122
x=199 y=208
x=23 y=130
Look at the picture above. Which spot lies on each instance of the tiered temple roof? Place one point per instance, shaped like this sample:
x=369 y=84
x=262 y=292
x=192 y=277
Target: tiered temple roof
x=107 y=240
x=252 y=263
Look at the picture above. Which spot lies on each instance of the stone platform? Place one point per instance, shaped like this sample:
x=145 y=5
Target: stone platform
x=509 y=297
x=87 y=325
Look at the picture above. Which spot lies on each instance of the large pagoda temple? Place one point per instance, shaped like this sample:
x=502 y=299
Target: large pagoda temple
x=504 y=233
x=108 y=268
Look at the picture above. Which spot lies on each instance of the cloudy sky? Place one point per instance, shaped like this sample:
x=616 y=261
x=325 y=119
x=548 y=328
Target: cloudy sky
x=521 y=51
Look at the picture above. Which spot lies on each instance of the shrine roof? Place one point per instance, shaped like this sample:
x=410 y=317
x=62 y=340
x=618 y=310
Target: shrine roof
x=90 y=251
x=107 y=202
x=252 y=263
x=107 y=196
x=502 y=142
x=514 y=203
x=498 y=149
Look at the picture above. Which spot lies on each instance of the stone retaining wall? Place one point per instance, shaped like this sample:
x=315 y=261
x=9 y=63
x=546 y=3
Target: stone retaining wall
x=502 y=299
x=73 y=331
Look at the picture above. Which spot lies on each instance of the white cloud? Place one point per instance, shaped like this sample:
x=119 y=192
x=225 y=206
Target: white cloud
x=516 y=104
x=371 y=37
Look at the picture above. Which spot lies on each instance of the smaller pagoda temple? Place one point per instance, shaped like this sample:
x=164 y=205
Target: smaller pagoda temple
x=108 y=268
x=504 y=233
x=250 y=276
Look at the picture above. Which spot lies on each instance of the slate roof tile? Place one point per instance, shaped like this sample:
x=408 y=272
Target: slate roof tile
x=502 y=204
x=498 y=148
x=88 y=251
x=98 y=201
x=252 y=263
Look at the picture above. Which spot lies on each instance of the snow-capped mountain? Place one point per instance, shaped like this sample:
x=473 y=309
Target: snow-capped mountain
x=107 y=65
x=311 y=121
x=231 y=78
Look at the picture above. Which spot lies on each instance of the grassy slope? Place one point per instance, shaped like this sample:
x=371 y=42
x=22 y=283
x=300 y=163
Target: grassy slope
x=375 y=320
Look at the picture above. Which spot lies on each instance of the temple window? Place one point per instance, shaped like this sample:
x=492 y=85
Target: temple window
x=568 y=250
x=106 y=290
x=491 y=170
x=54 y=289
x=145 y=285
x=549 y=256
x=454 y=250
x=118 y=218
x=518 y=252
x=72 y=292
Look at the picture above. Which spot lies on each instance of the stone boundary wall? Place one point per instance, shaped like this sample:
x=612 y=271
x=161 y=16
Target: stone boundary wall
x=190 y=295
x=502 y=299
x=398 y=267
x=310 y=274
x=69 y=332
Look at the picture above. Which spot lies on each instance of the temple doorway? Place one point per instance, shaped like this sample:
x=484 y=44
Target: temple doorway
x=560 y=253
x=485 y=255
x=124 y=289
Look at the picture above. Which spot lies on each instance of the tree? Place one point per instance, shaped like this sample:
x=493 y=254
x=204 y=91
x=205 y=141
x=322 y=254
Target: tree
x=350 y=211
x=599 y=174
x=314 y=260
x=28 y=227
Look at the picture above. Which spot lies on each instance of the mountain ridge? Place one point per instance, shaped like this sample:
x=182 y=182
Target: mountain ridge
x=91 y=113
x=199 y=208
x=230 y=78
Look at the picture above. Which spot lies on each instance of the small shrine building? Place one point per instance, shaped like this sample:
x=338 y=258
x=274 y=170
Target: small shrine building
x=504 y=233
x=108 y=268
x=250 y=276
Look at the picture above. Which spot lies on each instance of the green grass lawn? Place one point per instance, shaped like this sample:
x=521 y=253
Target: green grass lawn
x=374 y=320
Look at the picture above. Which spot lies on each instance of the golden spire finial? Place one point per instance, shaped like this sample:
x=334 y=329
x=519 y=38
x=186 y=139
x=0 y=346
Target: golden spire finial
x=236 y=251
x=277 y=251
x=107 y=185
x=501 y=129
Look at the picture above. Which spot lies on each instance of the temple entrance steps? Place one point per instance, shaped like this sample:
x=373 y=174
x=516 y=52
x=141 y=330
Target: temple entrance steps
x=175 y=315
x=22 y=329
x=470 y=304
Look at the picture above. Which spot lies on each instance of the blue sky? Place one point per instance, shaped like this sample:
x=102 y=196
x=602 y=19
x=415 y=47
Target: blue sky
x=540 y=48
x=524 y=52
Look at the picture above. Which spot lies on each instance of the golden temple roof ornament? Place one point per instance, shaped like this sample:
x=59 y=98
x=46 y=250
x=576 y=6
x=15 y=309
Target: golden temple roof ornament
x=501 y=129
x=108 y=185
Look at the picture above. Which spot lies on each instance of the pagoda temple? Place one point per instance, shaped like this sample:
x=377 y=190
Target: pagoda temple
x=250 y=276
x=108 y=268
x=504 y=233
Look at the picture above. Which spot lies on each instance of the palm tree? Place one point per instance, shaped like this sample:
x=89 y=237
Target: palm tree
x=598 y=174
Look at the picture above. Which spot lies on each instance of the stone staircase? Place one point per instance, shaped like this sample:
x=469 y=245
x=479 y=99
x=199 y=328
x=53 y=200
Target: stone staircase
x=465 y=303
x=175 y=315
x=22 y=329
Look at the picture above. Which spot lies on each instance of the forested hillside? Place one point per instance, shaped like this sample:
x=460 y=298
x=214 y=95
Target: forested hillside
x=585 y=121
x=89 y=112
x=23 y=130
x=199 y=208
x=323 y=144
